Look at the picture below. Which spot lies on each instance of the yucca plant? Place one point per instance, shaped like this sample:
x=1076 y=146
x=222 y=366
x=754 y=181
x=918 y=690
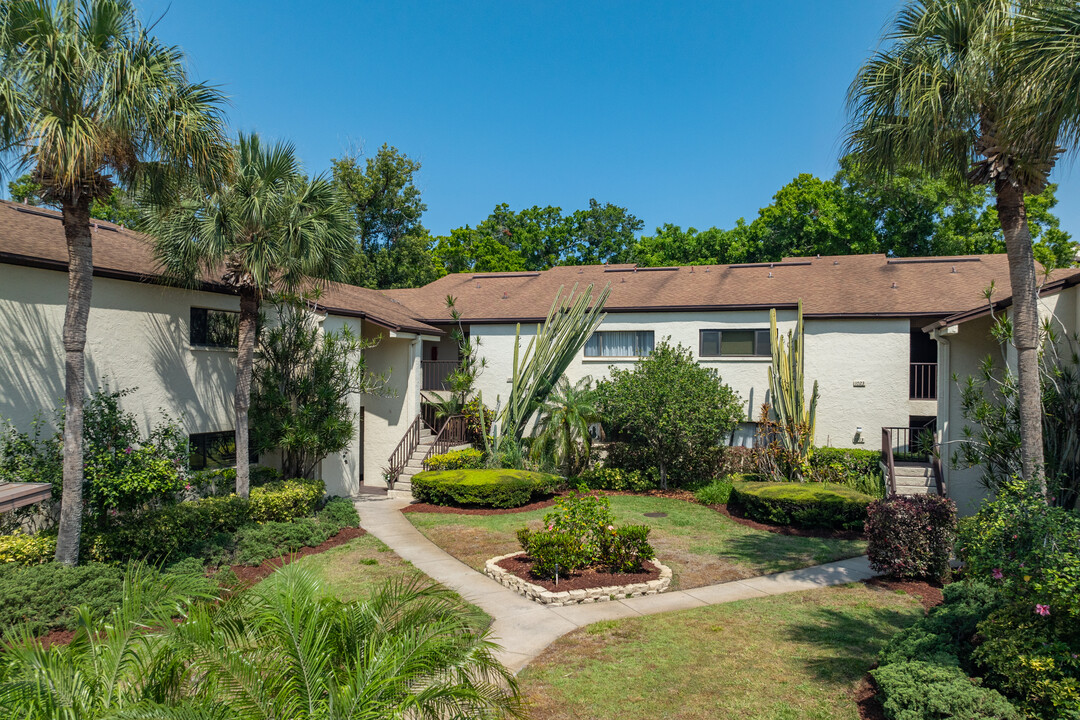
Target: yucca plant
x=793 y=413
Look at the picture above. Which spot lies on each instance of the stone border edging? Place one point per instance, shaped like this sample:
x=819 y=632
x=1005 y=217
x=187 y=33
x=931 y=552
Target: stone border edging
x=575 y=597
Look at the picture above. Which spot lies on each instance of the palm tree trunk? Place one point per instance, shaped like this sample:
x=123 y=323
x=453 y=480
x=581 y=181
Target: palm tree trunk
x=80 y=283
x=1013 y=217
x=245 y=358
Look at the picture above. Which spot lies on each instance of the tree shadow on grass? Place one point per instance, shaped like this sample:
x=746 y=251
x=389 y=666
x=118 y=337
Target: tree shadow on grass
x=848 y=639
x=782 y=552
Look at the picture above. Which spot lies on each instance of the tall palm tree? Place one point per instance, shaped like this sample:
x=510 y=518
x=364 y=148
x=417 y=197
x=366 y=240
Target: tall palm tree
x=266 y=228
x=945 y=93
x=286 y=650
x=89 y=100
x=562 y=433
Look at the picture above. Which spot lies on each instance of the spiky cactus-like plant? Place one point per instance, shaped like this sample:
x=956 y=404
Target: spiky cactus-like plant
x=793 y=413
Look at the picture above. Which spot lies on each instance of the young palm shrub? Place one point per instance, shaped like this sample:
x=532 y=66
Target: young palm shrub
x=124 y=662
x=266 y=229
x=562 y=433
x=285 y=650
x=89 y=100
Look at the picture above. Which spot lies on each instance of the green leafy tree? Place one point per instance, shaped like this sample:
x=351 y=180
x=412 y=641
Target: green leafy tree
x=89 y=100
x=945 y=94
x=469 y=250
x=302 y=382
x=265 y=229
x=600 y=234
x=562 y=433
x=117 y=208
x=675 y=410
x=393 y=249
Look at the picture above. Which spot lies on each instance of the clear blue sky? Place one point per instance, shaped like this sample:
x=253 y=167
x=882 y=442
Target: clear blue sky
x=687 y=112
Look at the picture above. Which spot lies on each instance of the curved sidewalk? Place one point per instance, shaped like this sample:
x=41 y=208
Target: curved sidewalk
x=524 y=628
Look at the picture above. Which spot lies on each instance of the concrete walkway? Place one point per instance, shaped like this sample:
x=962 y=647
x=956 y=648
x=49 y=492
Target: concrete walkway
x=524 y=628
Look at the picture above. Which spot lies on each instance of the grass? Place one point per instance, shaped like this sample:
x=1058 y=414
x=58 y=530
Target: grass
x=700 y=546
x=353 y=570
x=796 y=656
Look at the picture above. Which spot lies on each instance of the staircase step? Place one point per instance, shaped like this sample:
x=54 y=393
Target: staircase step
x=398 y=494
x=915 y=490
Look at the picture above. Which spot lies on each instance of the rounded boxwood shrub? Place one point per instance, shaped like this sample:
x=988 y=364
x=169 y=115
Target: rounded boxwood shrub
x=801 y=504
x=467 y=459
x=483 y=488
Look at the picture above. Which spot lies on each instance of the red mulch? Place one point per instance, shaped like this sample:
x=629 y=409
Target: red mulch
x=248 y=574
x=929 y=594
x=788 y=529
x=866 y=700
x=521 y=565
x=56 y=637
x=429 y=508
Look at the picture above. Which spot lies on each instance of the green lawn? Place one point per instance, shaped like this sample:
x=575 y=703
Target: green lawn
x=788 y=657
x=701 y=546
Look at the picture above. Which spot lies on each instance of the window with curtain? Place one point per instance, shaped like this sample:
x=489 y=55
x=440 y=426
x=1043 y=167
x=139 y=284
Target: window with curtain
x=734 y=343
x=619 y=343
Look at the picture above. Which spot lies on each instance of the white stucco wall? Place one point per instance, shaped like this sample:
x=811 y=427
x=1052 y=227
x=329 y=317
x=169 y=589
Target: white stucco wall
x=137 y=337
x=386 y=419
x=839 y=353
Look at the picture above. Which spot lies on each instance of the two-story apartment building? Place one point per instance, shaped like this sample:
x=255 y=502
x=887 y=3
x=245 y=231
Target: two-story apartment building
x=883 y=337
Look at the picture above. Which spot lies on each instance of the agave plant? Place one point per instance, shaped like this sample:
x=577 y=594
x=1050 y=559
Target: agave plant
x=793 y=413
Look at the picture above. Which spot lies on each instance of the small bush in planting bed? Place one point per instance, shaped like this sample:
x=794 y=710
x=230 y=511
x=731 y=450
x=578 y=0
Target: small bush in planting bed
x=23 y=549
x=467 y=459
x=283 y=500
x=483 y=488
x=617 y=479
x=580 y=532
x=801 y=504
x=925 y=691
x=718 y=492
x=911 y=537
x=833 y=464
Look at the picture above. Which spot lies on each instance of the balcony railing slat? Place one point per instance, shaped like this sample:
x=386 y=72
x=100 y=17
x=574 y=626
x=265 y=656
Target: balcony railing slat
x=435 y=372
x=923 y=381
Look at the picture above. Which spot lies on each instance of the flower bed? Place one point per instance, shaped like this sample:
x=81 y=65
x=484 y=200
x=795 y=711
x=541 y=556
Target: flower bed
x=580 y=596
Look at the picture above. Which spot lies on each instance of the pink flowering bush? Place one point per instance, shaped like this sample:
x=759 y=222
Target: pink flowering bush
x=911 y=536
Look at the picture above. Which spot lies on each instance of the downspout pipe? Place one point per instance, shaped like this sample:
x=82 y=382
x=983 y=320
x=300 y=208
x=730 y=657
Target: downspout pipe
x=944 y=390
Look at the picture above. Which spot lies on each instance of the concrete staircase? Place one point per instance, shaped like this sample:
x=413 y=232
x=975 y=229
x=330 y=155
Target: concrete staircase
x=403 y=487
x=915 y=478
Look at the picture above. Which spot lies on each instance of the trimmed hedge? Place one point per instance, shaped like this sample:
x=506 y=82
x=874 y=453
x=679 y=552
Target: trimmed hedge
x=483 y=488
x=467 y=459
x=801 y=504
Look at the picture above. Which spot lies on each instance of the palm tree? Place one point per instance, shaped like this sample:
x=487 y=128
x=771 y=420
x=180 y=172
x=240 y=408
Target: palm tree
x=89 y=100
x=122 y=662
x=266 y=228
x=562 y=433
x=945 y=94
x=286 y=650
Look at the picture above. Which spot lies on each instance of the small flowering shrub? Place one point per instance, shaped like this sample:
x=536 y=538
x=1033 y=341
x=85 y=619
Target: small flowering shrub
x=23 y=549
x=580 y=532
x=911 y=537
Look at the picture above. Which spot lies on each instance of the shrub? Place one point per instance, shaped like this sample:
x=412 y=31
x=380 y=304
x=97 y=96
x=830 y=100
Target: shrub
x=829 y=464
x=911 y=536
x=584 y=517
x=340 y=511
x=718 y=492
x=617 y=479
x=553 y=552
x=801 y=504
x=467 y=459
x=284 y=500
x=23 y=549
x=623 y=549
x=737 y=460
x=924 y=691
x=222 y=481
x=483 y=488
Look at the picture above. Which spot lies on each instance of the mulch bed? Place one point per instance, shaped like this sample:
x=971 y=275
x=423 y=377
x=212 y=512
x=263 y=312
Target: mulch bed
x=866 y=700
x=788 y=529
x=521 y=565
x=448 y=510
x=929 y=594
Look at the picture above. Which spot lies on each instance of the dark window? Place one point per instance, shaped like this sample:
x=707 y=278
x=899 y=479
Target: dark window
x=214 y=328
x=214 y=450
x=734 y=343
x=620 y=343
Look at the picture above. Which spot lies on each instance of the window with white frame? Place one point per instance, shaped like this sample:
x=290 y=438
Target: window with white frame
x=619 y=343
x=734 y=343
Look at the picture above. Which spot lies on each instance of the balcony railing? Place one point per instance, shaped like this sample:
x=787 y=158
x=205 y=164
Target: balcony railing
x=435 y=373
x=923 y=381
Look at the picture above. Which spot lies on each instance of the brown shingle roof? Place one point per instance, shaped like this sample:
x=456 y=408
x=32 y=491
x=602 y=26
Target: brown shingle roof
x=35 y=236
x=846 y=285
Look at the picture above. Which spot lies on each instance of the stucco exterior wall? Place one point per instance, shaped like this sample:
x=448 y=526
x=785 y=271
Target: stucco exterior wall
x=137 y=337
x=386 y=418
x=839 y=353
